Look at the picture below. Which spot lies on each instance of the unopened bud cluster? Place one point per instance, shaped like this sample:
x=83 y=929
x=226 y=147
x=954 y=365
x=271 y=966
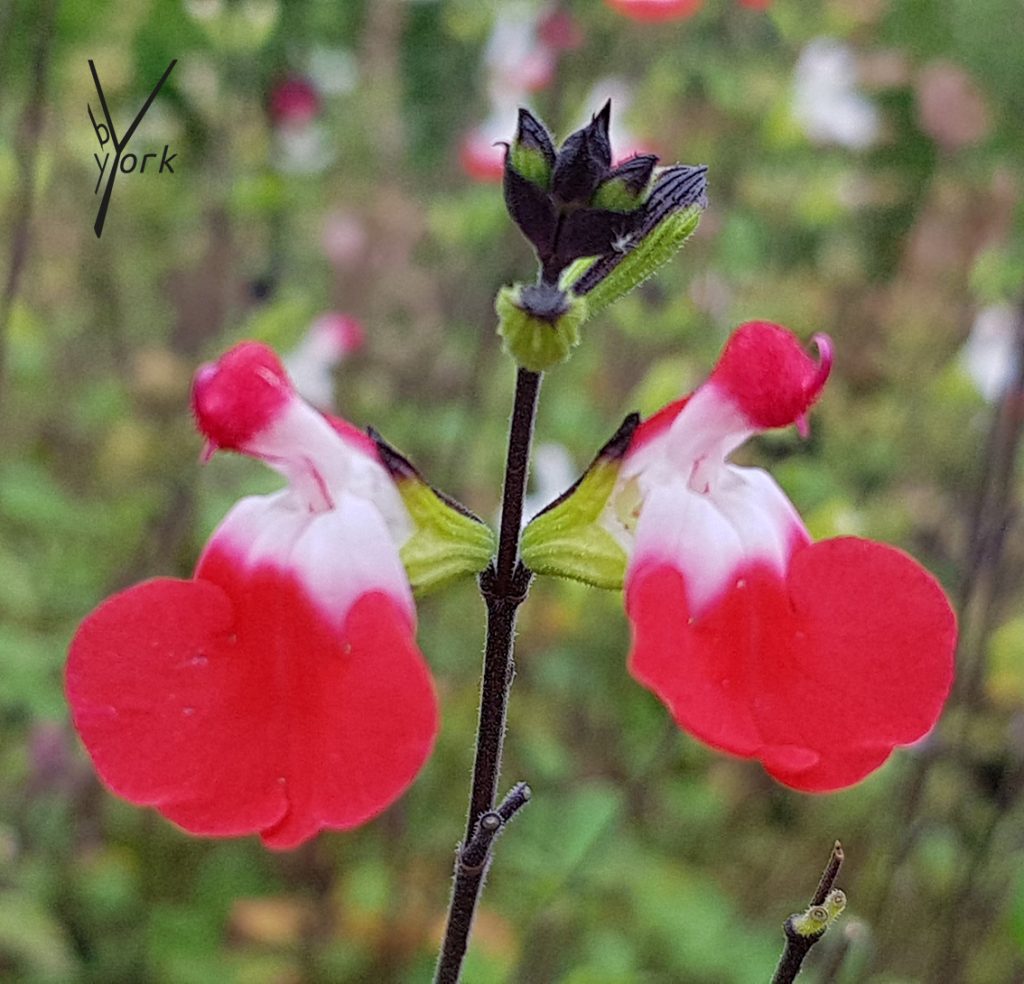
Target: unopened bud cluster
x=596 y=229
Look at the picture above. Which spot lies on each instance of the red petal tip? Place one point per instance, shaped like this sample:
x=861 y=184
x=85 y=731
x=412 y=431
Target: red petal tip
x=240 y=394
x=769 y=376
x=826 y=354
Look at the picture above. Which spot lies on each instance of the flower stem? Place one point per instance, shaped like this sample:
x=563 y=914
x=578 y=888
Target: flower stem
x=503 y=586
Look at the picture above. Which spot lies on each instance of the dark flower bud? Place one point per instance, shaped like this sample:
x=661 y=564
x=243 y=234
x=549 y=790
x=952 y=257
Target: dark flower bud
x=667 y=219
x=532 y=153
x=572 y=205
x=593 y=232
x=676 y=188
x=531 y=209
x=583 y=161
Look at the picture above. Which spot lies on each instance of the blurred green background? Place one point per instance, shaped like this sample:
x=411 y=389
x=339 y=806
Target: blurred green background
x=866 y=160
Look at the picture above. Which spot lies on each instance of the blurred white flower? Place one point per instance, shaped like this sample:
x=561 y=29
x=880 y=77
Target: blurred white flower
x=520 y=58
x=625 y=143
x=302 y=150
x=516 y=58
x=334 y=70
x=553 y=473
x=343 y=238
x=826 y=102
x=323 y=348
x=991 y=354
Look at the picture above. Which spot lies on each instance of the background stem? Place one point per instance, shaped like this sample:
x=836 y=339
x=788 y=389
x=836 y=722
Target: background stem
x=504 y=587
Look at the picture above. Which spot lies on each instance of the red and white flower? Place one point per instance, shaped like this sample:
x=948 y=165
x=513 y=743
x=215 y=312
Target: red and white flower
x=817 y=659
x=280 y=690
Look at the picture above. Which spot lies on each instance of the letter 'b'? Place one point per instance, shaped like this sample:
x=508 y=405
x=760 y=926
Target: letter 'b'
x=102 y=132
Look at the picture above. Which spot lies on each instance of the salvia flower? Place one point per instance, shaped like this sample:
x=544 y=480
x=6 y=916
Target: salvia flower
x=280 y=690
x=817 y=659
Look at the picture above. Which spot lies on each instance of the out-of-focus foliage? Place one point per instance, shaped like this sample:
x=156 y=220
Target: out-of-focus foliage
x=644 y=858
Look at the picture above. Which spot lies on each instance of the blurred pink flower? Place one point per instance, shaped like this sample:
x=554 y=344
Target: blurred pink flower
x=311 y=364
x=293 y=102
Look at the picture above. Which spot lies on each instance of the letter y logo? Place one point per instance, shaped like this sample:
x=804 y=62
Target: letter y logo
x=105 y=133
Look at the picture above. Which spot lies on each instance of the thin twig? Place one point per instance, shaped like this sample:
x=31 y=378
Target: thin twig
x=829 y=875
x=473 y=856
x=982 y=587
x=797 y=944
x=30 y=130
x=994 y=514
x=503 y=586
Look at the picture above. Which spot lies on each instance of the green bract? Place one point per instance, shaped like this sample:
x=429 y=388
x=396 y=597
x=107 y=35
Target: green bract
x=540 y=324
x=448 y=541
x=567 y=539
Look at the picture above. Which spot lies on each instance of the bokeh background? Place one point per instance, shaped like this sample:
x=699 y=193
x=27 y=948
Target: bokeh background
x=334 y=162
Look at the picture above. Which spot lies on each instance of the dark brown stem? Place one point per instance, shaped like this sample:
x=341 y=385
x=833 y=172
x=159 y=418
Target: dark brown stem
x=30 y=130
x=503 y=586
x=797 y=945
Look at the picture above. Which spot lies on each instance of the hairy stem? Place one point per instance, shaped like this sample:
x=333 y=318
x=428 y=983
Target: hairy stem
x=503 y=586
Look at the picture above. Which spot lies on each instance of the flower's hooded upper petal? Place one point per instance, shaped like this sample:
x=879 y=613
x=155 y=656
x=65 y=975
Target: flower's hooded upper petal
x=816 y=659
x=281 y=690
x=682 y=502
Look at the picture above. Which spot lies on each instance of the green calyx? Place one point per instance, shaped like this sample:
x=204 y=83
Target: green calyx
x=448 y=541
x=539 y=324
x=567 y=539
x=629 y=186
x=616 y=195
x=531 y=164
